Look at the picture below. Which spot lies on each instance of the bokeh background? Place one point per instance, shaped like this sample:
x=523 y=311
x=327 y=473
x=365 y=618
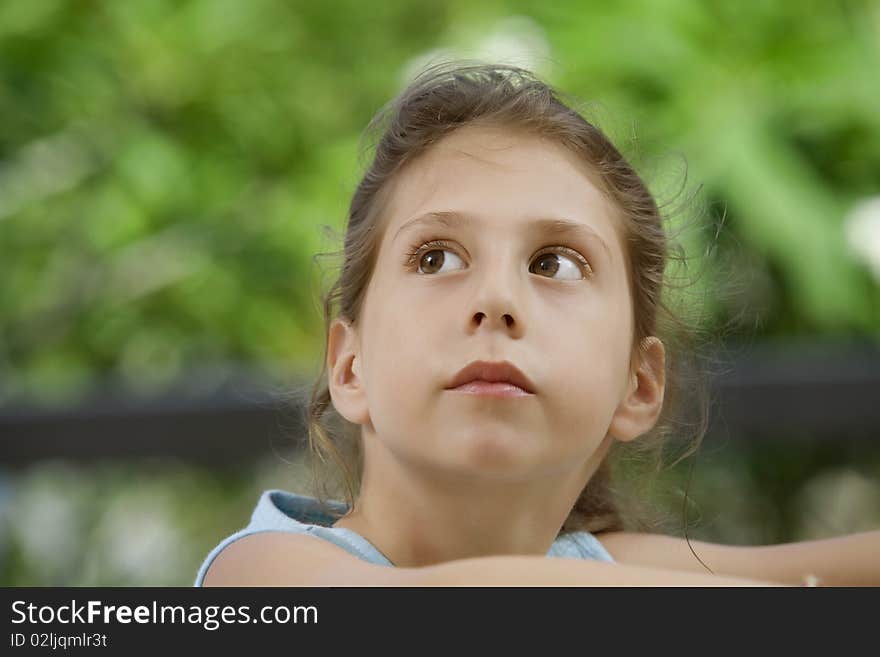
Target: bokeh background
x=167 y=169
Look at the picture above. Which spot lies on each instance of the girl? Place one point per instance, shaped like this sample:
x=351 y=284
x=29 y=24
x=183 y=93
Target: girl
x=496 y=344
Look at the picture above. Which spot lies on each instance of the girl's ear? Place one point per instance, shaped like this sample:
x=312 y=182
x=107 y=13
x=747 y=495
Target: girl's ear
x=639 y=409
x=344 y=376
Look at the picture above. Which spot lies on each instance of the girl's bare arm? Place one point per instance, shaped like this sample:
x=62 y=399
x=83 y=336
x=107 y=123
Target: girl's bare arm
x=851 y=560
x=281 y=559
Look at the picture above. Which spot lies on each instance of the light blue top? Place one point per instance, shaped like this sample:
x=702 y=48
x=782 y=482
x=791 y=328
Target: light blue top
x=279 y=510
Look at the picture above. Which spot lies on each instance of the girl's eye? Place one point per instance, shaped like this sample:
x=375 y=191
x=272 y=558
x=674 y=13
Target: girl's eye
x=569 y=268
x=431 y=258
x=432 y=261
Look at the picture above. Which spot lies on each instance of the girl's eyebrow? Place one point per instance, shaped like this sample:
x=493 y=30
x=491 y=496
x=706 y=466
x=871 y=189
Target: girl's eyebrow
x=544 y=225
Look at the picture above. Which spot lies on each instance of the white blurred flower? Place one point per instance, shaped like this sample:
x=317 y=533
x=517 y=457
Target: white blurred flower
x=839 y=501
x=43 y=168
x=415 y=65
x=49 y=528
x=48 y=517
x=137 y=539
x=515 y=40
x=862 y=230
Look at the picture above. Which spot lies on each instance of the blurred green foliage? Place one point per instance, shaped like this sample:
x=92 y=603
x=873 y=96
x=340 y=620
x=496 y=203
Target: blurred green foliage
x=166 y=166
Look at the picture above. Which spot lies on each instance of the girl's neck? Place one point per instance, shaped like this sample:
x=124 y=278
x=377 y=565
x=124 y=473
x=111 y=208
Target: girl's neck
x=419 y=519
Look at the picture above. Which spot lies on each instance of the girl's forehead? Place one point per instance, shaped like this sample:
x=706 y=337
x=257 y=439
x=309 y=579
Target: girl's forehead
x=500 y=174
x=510 y=149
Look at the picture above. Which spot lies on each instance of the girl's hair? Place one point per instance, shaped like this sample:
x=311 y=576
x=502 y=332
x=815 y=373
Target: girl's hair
x=442 y=99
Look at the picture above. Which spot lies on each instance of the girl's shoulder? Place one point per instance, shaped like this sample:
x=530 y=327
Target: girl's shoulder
x=579 y=545
x=280 y=511
x=283 y=512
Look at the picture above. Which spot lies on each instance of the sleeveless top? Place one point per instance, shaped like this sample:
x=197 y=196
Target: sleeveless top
x=279 y=510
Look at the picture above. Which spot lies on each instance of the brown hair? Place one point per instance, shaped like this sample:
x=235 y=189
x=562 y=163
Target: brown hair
x=442 y=99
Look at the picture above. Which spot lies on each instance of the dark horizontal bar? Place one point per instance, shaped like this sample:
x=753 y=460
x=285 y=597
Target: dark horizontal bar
x=800 y=390
x=241 y=420
x=815 y=392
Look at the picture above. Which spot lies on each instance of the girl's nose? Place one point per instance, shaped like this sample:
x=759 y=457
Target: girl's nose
x=496 y=304
x=481 y=317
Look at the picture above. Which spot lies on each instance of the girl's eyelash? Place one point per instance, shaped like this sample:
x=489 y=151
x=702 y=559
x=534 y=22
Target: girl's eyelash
x=415 y=252
x=588 y=270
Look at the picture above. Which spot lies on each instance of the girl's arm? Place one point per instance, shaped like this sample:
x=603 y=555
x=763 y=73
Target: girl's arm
x=851 y=560
x=281 y=559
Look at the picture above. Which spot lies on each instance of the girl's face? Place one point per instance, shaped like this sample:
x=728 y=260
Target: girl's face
x=502 y=286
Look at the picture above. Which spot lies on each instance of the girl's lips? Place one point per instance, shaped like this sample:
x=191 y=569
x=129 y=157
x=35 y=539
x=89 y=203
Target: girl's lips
x=492 y=372
x=491 y=389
